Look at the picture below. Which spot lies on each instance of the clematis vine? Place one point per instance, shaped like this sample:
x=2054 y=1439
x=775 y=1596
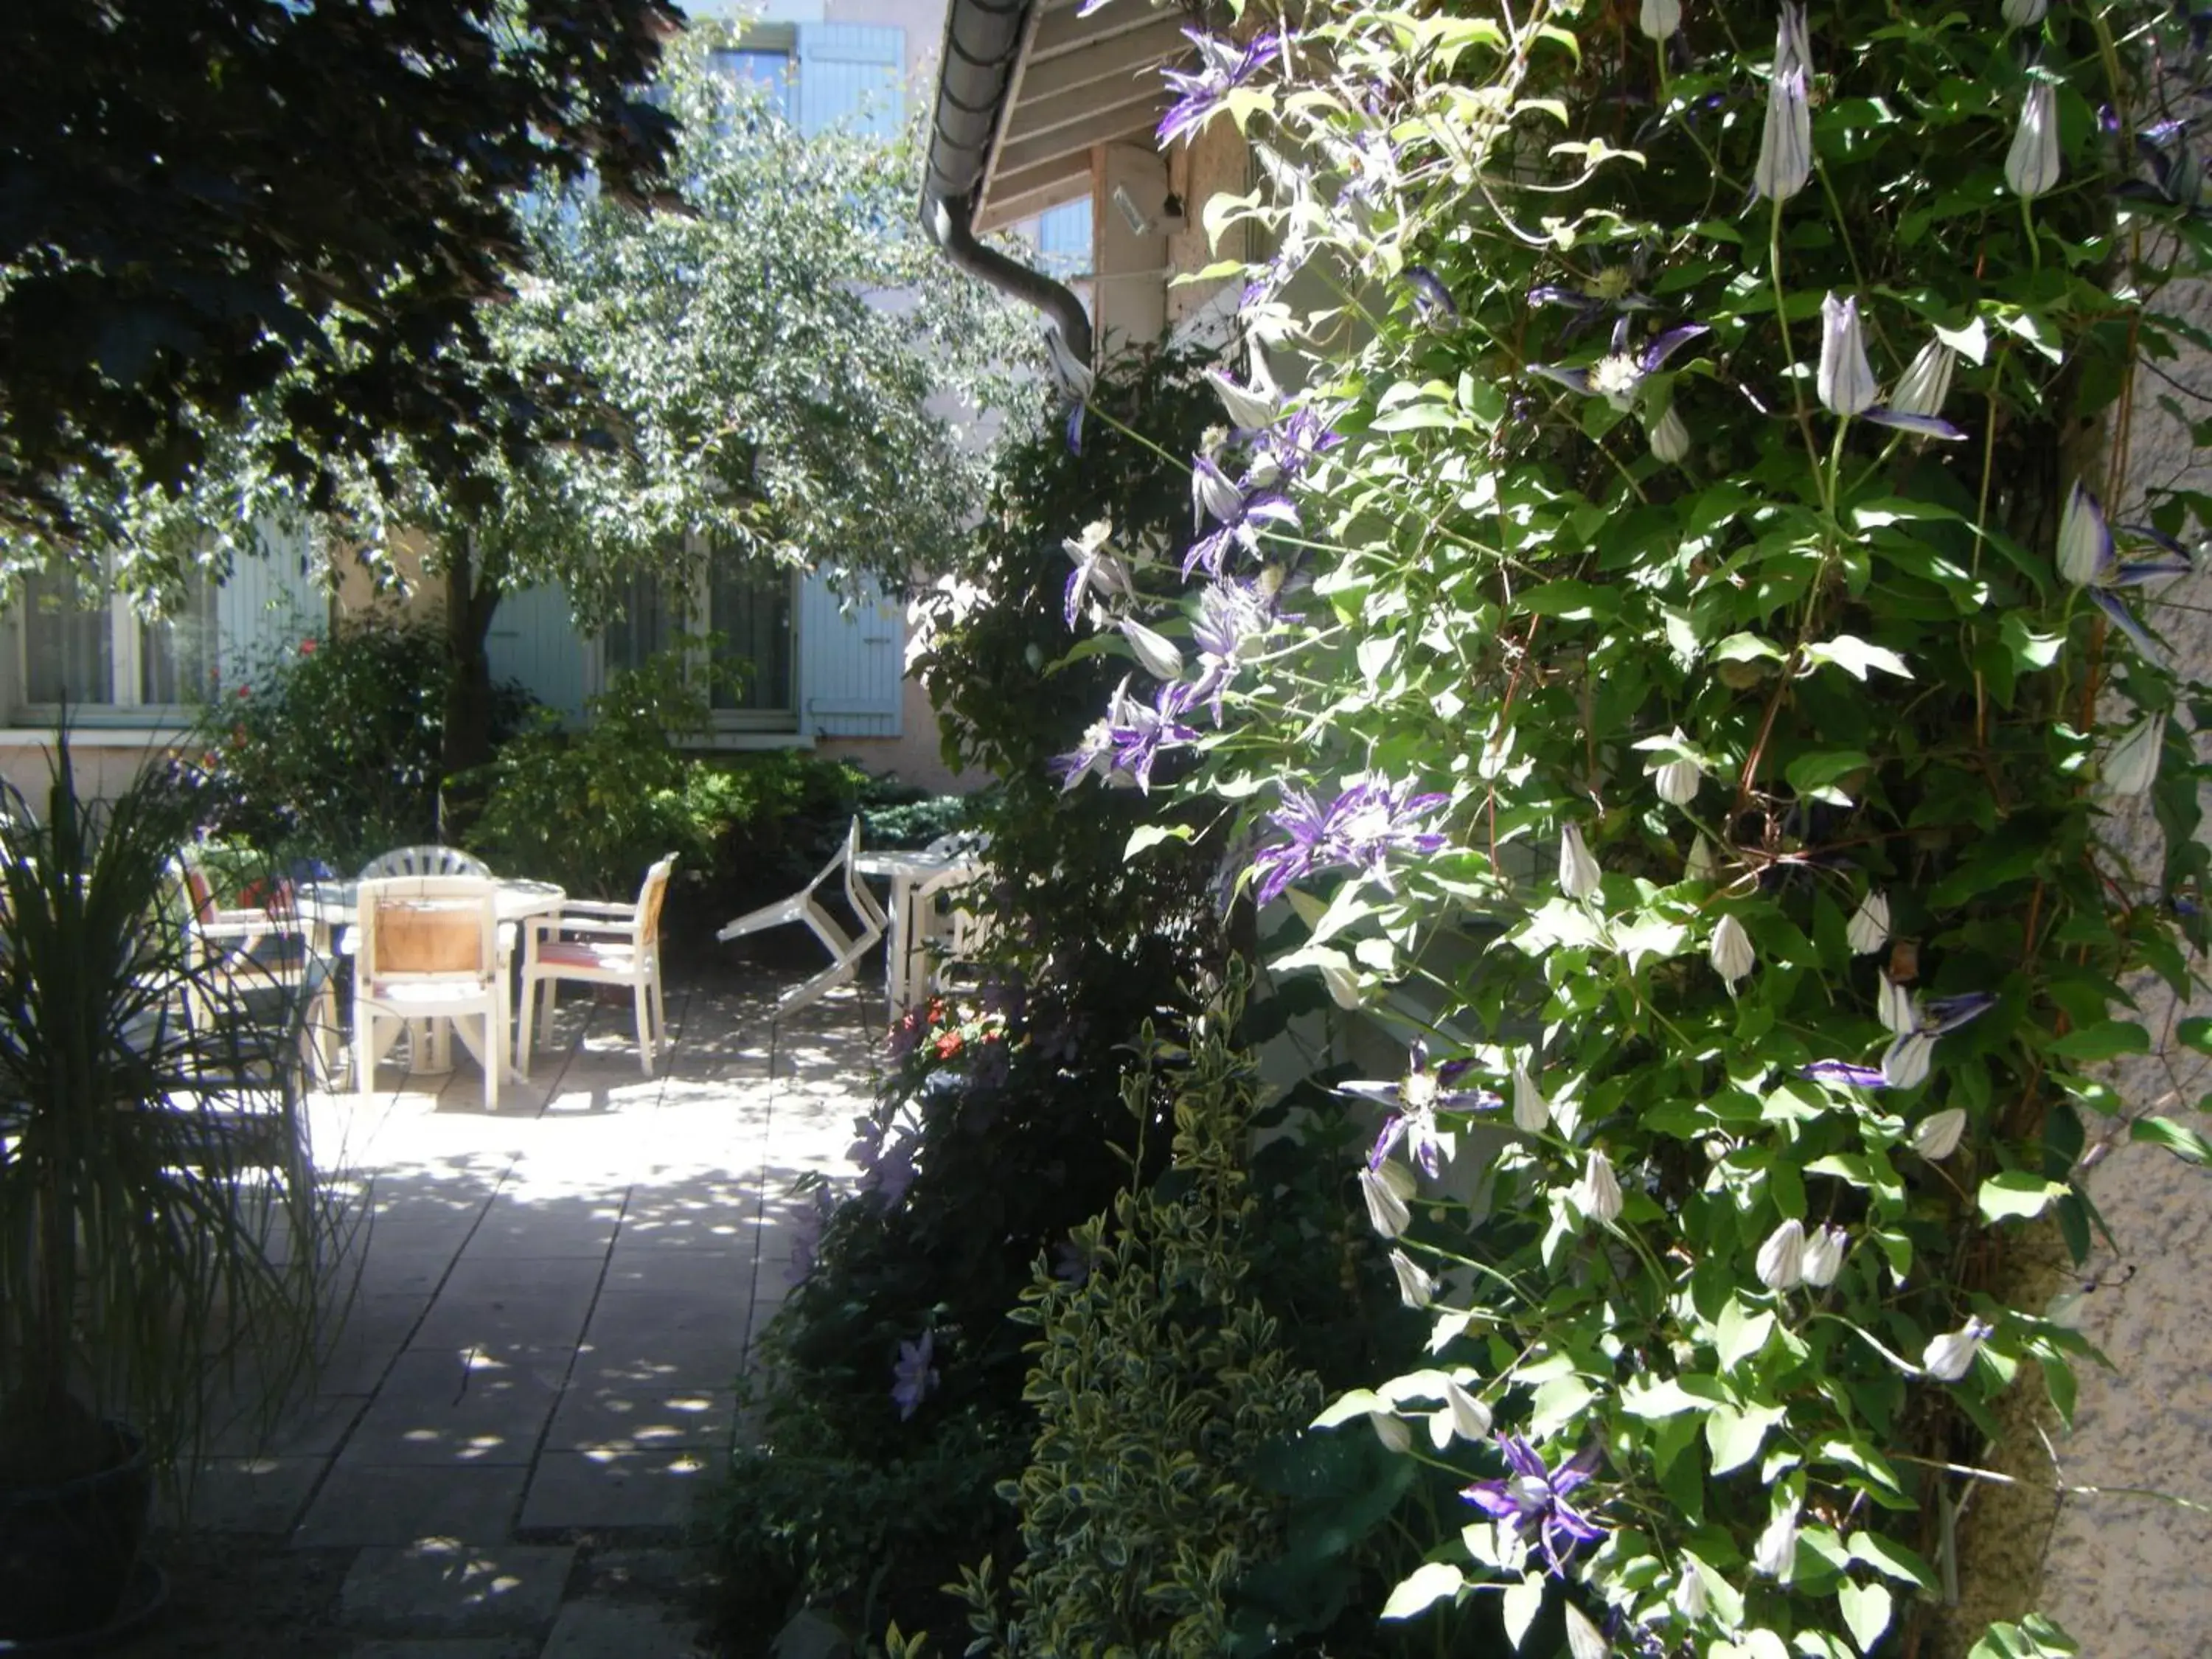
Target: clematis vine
x=1415 y=1100
x=2089 y=557
x=1097 y=568
x=1533 y=1499
x=1612 y=289
x=1233 y=620
x=1122 y=747
x=1223 y=66
x=1906 y=1063
x=1786 y=143
x=1616 y=376
x=1364 y=827
x=2177 y=176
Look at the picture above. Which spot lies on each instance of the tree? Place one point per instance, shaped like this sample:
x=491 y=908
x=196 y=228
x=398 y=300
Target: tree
x=205 y=202
x=768 y=367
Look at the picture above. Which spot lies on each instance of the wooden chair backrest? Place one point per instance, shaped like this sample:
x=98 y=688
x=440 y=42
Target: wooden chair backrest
x=442 y=926
x=649 y=900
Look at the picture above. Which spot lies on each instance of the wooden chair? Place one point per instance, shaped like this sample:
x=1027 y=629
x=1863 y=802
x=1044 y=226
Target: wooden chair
x=432 y=1048
x=429 y=947
x=600 y=942
x=845 y=950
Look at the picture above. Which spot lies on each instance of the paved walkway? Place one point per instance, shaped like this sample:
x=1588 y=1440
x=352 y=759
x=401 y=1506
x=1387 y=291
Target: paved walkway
x=553 y=1304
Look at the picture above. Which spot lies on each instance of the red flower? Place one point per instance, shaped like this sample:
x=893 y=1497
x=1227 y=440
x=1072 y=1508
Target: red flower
x=307 y=647
x=948 y=1044
x=245 y=690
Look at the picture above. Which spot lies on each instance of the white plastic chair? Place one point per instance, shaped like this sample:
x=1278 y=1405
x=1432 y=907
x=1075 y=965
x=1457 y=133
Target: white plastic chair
x=845 y=950
x=615 y=944
x=424 y=861
x=429 y=947
x=250 y=949
x=944 y=938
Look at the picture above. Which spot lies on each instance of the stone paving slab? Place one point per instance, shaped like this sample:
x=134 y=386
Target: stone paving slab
x=453 y=1647
x=443 y=1590
x=436 y=1408
x=262 y=1495
x=593 y=1629
x=641 y=1419
x=367 y=1504
x=589 y=1490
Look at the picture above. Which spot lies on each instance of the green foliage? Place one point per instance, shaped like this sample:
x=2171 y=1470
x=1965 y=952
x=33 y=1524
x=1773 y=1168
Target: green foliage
x=1640 y=728
x=1157 y=1377
x=331 y=752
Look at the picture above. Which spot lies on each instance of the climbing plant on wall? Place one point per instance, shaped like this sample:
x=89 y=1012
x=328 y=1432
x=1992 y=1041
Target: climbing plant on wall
x=1679 y=663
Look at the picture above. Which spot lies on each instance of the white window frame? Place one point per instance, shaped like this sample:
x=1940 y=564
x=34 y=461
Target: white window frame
x=126 y=706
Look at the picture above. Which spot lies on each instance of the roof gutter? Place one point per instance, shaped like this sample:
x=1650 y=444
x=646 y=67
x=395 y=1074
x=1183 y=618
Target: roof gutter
x=983 y=38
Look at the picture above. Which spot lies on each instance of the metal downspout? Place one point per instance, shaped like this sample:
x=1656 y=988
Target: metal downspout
x=981 y=40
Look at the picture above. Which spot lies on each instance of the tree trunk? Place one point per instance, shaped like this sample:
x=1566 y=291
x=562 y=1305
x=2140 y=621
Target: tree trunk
x=471 y=598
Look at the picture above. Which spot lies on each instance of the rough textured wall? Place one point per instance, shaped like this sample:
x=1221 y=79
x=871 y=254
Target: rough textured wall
x=2124 y=1572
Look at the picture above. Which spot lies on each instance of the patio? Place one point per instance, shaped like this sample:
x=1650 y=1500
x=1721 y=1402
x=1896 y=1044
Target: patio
x=551 y=1306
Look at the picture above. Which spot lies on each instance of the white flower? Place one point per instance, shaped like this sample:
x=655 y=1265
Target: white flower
x=1906 y=1063
x=1578 y=871
x=1415 y=1288
x=1394 y=1436
x=1782 y=1258
x=1894 y=1008
x=1926 y=382
x=1597 y=1194
x=1731 y=952
x=1678 y=778
x=1702 y=864
x=1343 y=985
x=1824 y=1255
x=2032 y=164
x=1951 y=1356
x=1158 y=656
x=1253 y=409
x=1792 y=47
x=1386 y=1190
x=1470 y=1417
x=1690 y=1594
x=1670 y=439
x=1584 y=1639
x=1776 y=1553
x=2132 y=766
x=2024 y=14
x=2085 y=545
x=1532 y=1111
x=1660 y=18
x=1846 y=383
x=1786 y=143
x=1937 y=1137
x=1869 y=926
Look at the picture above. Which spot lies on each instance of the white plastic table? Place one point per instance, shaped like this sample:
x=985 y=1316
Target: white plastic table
x=915 y=879
x=325 y=906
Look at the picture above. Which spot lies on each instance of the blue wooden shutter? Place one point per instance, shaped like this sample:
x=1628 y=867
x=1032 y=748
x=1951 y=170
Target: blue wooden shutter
x=268 y=604
x=851 y=666
x=533 y=639
x=852 y=72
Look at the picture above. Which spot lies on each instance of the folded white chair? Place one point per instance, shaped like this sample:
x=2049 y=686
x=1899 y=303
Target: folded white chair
x=944 y=938
x=845 y=950
x=430 y=947
x=600 y=942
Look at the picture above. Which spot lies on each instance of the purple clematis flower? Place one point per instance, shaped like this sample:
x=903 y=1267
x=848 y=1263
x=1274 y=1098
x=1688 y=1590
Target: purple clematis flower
x=1431 y=298
x=1415 y=1100
x=1612 y=289
x=1223 y=66
x=1364 y=828
x=1906 y=1062
x=2089 y=557
x=1844 y=1072
x=1122 y=747
x=913 y=1375
x=1534 y=1499
x=1233 y=619
x=1282 y=453
x=1096 y=566
x=1240 y=511
x=1616 y=376
x=2177 y=176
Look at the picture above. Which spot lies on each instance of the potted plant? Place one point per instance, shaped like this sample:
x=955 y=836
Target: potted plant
x=145 y=1256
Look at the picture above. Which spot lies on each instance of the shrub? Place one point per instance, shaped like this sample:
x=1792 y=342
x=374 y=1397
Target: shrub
x=331 y=750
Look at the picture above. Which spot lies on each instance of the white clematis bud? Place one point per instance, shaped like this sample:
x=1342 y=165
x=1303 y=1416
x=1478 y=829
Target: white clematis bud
x=1823 y=1257
x=1677 y=780
x=1415 y=1288
x=2085 y=545
x=1160 y=658
x=1597 y=1194
x=1690 y=1594
x=1532 y=1110
x=1785 y=142
x=1938 y=1135
x=1869 y=930
x=1776 y=1553
x=1670 y=439
x=1894 y=1008
x=2032 y=165
x=1470 y=1417
x=1578 y=871
x=1394 y=1436
x=1703 y=863
x=1782 y=1258
x=1659 y=18
x=1386 y=1190
x=2132 y=766
x=1731 y=952
x=1926 y=382
x=2024 y=14
x=1845 y=382
x=1951 y=1356
x=1584 y=1639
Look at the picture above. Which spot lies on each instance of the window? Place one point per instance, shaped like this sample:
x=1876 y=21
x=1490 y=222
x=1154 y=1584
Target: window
x=749 y=612
x=94 y=651
x=767 y=69
x=1064 y=239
